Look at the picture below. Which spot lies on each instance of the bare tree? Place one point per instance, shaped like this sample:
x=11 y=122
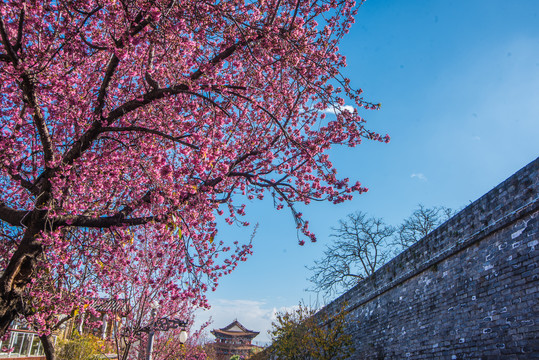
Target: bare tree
x=420 y=223
x=361 y=246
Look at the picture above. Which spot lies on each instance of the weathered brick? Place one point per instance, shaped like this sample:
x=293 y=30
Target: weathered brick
x=472 y=291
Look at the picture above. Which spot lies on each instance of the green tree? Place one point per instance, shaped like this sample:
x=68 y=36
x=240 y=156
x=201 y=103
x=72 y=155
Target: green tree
x=81 y=347
x=264 y=354
x=304 y=333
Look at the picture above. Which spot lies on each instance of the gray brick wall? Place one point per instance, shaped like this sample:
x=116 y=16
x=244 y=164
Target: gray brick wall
x=469 y=290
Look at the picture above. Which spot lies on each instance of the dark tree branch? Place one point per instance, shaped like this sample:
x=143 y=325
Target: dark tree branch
x=11 y=54
x=291 y=27
x=101 y=222
x=210 y=101
x=113 y=65
x=275 y=120
x=243 y=158
x=120 y=218
x=143 y=100
x=11 y=216
x=223 y=55
x=149 y=131
x=28 y=89
x=18 y=43
x=68 y=39
x=92 y=46
x=111 y=68
x=87 y=138
x=23 y=182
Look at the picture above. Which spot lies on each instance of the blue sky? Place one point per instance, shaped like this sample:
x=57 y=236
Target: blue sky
x=459 y=87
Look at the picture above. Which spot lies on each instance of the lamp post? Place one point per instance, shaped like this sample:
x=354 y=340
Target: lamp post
x=162 y=324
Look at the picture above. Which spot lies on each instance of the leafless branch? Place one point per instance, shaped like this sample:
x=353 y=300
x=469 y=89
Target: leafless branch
x=359 y=249
x=418 y=225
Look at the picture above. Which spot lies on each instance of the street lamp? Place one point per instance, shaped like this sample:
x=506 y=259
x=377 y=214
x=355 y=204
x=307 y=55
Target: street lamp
x=162 y=324
x=183 y=336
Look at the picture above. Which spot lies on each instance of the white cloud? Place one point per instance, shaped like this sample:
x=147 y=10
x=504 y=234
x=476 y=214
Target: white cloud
x=419 y=176
x=254 y=315
x=475 y=137
x=336 y=110
x=283 y=309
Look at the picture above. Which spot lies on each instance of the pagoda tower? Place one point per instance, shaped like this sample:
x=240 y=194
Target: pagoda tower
x=234 y=339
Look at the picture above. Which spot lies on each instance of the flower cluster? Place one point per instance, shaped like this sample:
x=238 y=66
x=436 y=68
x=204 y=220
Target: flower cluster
x=128 y=128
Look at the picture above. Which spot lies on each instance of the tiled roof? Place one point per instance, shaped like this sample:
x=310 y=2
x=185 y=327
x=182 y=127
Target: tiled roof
x=235 y=329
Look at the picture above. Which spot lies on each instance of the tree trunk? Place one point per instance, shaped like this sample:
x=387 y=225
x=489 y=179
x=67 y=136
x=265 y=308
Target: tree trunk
x=8 y=313
x=16 y=276
x=48 y=346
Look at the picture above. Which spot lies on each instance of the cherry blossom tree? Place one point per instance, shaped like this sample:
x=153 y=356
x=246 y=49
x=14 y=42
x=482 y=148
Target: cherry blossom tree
x=158 y=116
x=125 y=290
x=154 y=286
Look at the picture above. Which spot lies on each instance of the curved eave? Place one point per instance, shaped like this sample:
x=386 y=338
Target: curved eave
x=250 y=334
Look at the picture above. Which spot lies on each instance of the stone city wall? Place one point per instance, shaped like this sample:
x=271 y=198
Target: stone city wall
x=468 y=290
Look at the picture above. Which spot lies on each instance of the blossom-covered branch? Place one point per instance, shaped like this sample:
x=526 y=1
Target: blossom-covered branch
x=125 y=122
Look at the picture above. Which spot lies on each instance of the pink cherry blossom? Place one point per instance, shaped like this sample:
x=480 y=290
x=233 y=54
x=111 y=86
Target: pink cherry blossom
x=127 y=128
